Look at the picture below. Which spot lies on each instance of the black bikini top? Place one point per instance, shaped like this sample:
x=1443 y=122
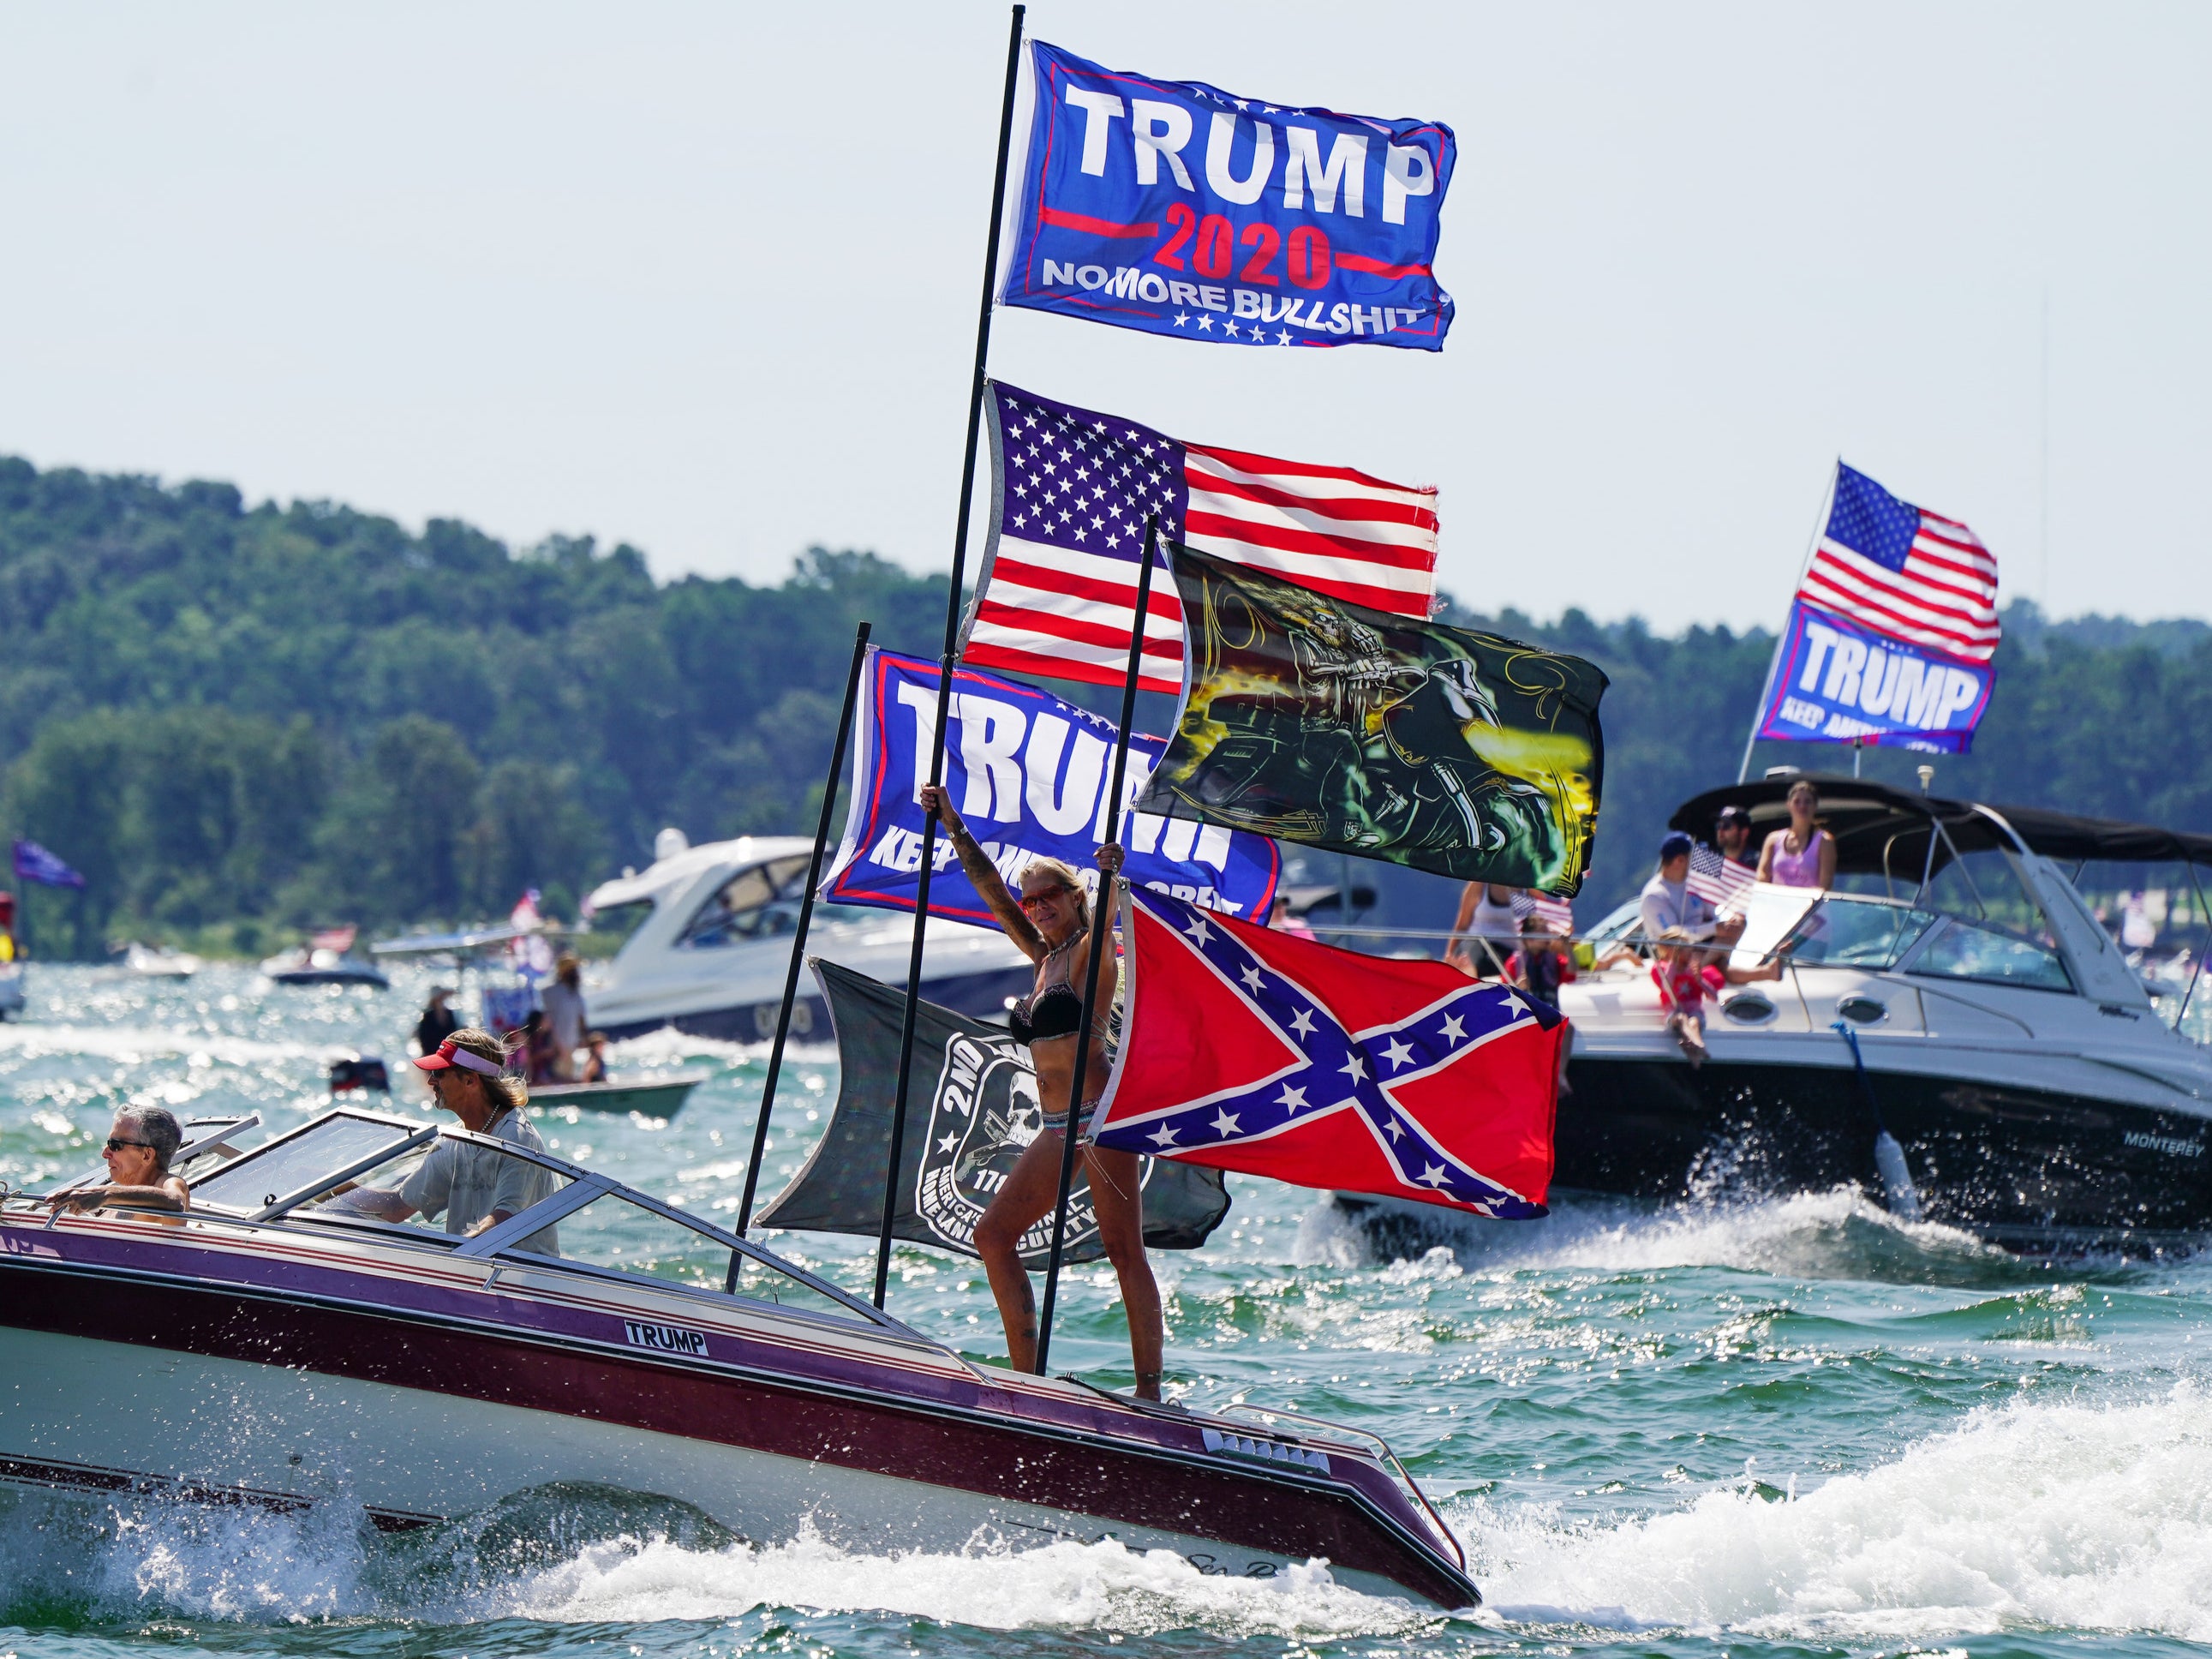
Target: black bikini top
x=1055 y=1011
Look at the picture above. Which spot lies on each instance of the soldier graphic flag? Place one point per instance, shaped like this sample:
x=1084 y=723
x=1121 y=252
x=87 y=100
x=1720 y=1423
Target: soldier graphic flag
x=1311 y=719
x=1255 y=1050
x=972 y=1108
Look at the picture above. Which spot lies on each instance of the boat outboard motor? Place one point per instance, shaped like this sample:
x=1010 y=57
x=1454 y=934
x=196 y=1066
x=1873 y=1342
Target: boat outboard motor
x=364 y=1073
x=1898 y=1192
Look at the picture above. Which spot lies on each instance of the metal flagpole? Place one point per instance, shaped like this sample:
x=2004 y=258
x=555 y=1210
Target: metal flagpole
x=798 y=939
x=1821 y=524
x=1102 y=941
x=951 y=649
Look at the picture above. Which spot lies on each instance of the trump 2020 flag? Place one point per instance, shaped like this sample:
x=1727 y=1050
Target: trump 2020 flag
x=1314 y=720
x=1071 y=490
x=1838 y=682
x=1177 y=208
x=971 y=1108
x=1249 y=1049
x=1029 y=774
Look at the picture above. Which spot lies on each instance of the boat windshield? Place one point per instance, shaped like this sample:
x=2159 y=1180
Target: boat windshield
x=757 y=902
x=1855 y=932
x=363 y=1169
x=760 y=902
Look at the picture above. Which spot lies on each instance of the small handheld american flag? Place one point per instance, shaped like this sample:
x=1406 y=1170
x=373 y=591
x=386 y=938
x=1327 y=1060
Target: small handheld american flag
x=1720 y=881
x=1556 y=914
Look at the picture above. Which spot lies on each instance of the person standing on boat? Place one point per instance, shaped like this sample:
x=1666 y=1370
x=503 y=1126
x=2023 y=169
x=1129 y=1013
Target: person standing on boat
x=438 y=1023
x=563 y=1003
x=1732 y=835
x=1051 y=924
x=1804 y=855
x=473 y=1188
x=1485 y=931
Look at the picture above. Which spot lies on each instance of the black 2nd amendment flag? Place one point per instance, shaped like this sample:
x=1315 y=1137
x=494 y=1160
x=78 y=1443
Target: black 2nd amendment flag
x=1313 y=719
x=971 y=1107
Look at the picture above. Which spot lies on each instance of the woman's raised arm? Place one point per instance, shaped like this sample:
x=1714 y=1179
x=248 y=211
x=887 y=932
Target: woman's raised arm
x=984 y=874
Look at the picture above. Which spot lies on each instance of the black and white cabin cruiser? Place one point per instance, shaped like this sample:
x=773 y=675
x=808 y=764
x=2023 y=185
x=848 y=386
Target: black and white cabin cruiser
x=711 y=955
x=2050 y=1088
x=278 y=1347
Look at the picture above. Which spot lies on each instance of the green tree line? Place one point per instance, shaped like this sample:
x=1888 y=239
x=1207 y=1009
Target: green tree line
x=243 y=722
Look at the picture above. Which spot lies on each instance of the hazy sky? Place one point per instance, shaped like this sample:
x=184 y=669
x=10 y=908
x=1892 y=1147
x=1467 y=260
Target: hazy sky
x=703 y=277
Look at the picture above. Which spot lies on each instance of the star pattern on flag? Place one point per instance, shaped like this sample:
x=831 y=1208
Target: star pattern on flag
x=1086 y=485
x=1337 y=1070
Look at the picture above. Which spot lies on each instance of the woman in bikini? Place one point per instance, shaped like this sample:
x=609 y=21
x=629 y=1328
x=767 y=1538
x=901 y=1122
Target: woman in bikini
x=1051 y=922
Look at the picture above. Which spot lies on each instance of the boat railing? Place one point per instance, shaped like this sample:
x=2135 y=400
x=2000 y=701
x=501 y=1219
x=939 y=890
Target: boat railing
x=1388 y=1458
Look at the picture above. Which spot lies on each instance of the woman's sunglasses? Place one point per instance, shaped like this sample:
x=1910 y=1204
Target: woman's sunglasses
x=1029 y=902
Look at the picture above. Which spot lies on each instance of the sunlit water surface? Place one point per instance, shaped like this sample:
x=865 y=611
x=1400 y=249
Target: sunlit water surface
x=1762 y=1424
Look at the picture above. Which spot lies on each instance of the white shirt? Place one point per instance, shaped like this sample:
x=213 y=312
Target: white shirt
x=1672 y=904
x=467 y=1183
x=564 y=1013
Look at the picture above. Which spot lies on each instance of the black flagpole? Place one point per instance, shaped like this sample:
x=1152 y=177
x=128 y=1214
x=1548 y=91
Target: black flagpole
x=1102 y=941
x=798 y=940
x=951 y=649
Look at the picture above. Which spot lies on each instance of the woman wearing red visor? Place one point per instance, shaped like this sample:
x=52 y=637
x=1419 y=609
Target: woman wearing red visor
x=473 y=1188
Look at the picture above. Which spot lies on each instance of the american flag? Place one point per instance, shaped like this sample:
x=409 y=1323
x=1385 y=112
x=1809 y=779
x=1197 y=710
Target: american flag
x=1556 y=914
x=1721 y=882
x=1071 y=487
x=1904 y=571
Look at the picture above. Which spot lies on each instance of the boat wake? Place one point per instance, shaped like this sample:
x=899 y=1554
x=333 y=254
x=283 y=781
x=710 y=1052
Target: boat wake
x=2051 y=1513
x=1838 y=1234
x=591 y=1556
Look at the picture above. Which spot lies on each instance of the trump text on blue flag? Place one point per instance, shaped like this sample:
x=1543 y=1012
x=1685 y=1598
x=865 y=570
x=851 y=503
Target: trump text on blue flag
x=1028 y=773
x=1175 y=208
x=1837 y=682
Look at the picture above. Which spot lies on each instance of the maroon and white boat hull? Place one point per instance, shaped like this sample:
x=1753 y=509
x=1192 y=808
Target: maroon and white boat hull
x=291 y=1367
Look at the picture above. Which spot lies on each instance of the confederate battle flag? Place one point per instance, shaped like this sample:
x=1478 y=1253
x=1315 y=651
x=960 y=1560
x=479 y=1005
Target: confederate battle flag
x=1245 y=1049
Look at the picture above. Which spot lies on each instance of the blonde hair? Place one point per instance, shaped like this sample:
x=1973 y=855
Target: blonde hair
x=506 y=1090
x=1064 y=876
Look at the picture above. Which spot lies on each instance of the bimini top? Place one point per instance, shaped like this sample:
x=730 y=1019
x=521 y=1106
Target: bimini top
x=1880 y=830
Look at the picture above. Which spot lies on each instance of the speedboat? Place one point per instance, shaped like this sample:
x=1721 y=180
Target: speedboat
x=713 y=949
x=275 y=1347
x=655 y=1097
x=159 y=962
x=1955 y=994
x=326 y=958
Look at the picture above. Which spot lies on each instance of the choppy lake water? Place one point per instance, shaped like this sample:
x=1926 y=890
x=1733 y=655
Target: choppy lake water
x=1759 y=1424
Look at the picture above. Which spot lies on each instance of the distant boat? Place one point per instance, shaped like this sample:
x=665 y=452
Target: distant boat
x=655 y=1097
x=325 y=959
x=159 y=962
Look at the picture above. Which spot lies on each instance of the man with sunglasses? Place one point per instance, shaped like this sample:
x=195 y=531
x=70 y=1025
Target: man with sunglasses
x=139 y=1147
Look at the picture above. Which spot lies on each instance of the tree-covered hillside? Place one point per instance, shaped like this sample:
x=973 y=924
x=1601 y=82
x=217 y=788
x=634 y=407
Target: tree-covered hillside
x=289 y=716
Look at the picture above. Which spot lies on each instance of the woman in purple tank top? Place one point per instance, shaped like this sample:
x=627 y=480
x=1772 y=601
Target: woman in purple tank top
x=1804 y=855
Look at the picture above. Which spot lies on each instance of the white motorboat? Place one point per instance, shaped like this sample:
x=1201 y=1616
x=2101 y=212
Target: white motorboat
x=711 y=955
x=277 y=1347
x=1955 y=992
x=159 y=962
x=326 y=958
